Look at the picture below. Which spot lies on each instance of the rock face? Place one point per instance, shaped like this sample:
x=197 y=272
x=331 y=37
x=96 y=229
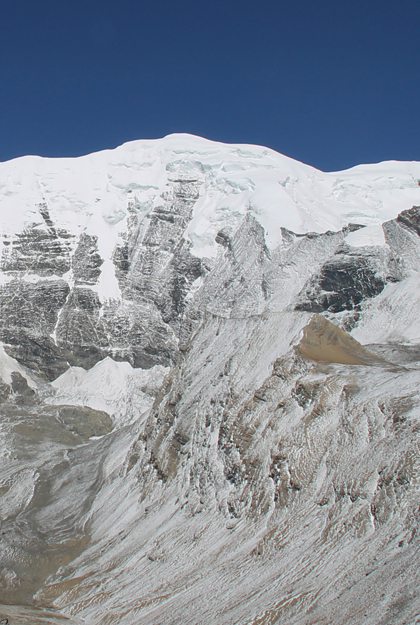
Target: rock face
x=209 y=381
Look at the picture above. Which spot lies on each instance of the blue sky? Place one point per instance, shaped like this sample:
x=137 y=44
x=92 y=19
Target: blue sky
x=330 y=83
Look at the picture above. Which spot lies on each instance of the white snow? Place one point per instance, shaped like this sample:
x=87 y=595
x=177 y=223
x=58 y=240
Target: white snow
x=114 y=387
x=392 y=315
x=368 y=236
x=91 y=193
x=8 y=365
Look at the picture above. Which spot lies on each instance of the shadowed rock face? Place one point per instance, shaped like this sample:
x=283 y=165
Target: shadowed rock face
x=275 y=479
x=29 y=315
x=86 y=261
x=411 y=219
x=43 y=251
x=344 y=282
x=49 y=325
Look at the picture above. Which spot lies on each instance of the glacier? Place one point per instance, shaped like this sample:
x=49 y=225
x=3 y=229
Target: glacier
x=209 y=388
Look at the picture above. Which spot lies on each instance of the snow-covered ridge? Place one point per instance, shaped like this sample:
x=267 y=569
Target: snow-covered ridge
x=92 y=193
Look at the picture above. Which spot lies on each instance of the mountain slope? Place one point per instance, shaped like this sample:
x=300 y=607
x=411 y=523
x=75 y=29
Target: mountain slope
x=190 y=433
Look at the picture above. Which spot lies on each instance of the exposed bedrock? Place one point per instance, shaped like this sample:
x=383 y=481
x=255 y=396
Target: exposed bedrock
x=29 y=314
x=86 y=261
x=49 y=326
x=349 y=278
x=37 y=250
x=53 y=314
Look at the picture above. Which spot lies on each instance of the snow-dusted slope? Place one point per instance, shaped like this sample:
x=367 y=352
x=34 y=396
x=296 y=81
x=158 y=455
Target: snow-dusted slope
x=187 y=437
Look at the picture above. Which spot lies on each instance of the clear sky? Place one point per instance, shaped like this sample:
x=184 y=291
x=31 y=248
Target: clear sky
x=328 y=82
